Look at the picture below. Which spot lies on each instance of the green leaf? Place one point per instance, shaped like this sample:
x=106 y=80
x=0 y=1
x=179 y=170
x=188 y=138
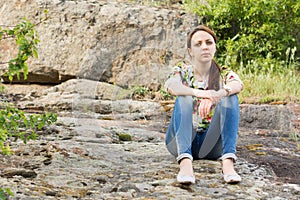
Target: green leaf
x=35 y=53
x=11 y=32
x=9 y=192
x=2 y=194
x=25 y=71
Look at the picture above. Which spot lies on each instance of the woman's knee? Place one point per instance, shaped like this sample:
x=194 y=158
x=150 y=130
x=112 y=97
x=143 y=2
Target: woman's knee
x=184 y=100
x=172 y=147
x=231 y=101
x=184 y=105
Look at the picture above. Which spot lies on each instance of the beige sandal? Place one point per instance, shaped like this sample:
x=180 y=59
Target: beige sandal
x=186 y=180
x=232 y=178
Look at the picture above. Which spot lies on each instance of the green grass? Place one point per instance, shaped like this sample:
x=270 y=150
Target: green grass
x=282 y=84
x=263 y=88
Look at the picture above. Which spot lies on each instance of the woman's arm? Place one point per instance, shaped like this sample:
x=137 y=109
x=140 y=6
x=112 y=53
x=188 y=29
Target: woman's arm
x=236 y=86
x=233 y=87
x=215 y=96
x=175 y=87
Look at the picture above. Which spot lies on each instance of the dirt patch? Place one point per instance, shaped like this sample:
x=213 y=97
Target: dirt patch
x=271 y=149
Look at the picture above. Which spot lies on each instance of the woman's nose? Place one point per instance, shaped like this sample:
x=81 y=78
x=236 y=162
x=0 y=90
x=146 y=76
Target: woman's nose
x=204 y=45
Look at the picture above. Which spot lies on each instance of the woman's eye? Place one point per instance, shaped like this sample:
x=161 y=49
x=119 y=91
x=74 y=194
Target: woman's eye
x=209 y=42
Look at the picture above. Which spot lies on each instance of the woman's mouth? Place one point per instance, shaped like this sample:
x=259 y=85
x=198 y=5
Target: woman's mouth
x=205 y=54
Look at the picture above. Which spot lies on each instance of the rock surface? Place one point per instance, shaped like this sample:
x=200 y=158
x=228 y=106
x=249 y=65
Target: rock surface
x=97 y=98
x=83 y=158
x=276 y=117
x=108 y=41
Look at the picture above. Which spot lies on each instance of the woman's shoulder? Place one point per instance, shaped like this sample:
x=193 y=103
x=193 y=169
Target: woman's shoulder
x=183 y=66
x=228 y=74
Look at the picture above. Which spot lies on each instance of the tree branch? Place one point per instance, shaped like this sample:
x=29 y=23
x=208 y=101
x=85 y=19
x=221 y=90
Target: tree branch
x=8 y=37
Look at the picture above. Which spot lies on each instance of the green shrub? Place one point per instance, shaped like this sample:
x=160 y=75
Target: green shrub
x=27 y=41
x=165 y=95
x=4 y=192
x=13 y=122
x=250 y=29
x=140 y=92
x=16 y=124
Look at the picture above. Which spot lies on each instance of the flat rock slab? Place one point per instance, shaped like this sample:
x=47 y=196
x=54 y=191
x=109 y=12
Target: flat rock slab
x=137 y=169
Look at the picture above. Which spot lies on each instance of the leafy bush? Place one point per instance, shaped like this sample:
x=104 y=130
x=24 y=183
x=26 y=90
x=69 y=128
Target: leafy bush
x=165 y=95
x=13 y=122
x=140 y=92
x=4 y=192
x=250 y=29
x=17 y=125
x=27 y=41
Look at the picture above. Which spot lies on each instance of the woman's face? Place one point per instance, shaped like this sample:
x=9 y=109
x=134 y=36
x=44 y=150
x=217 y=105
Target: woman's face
x=203 y=47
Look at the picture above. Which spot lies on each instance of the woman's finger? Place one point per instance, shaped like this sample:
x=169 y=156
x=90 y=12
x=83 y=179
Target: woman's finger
x=201 y=109
x=204 y=107
x=208 y=104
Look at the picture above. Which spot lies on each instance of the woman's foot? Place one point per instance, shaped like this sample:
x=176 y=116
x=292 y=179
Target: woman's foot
x=229 y=174
x=186 y=173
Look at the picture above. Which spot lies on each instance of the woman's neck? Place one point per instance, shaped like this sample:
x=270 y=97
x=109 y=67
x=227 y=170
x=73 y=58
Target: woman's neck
x=202 y=69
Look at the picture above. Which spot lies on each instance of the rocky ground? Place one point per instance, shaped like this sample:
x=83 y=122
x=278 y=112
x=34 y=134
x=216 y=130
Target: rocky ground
x=87 y=156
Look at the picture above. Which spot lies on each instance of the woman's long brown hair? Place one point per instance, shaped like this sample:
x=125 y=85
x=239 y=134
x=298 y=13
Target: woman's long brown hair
x=214 y=73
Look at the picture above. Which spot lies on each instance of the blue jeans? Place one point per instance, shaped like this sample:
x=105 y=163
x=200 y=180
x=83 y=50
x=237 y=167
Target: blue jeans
x=219 y=140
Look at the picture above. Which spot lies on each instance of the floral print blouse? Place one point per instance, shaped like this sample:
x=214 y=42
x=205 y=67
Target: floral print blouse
x=186 y=73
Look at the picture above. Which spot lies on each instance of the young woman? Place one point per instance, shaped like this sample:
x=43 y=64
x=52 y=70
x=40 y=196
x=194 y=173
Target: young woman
x=205 y=119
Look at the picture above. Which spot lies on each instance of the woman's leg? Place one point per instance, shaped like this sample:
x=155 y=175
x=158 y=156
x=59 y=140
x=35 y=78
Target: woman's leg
x=179 y=134
x=179 y=138
x=229 y=118
x=221 y=136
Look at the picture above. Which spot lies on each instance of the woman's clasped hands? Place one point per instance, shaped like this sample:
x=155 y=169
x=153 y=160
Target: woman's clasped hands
x=209 y=99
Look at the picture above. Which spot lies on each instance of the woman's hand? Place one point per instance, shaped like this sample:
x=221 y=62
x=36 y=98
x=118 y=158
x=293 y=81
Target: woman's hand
x=210 y=98
x=205 y=107
x=214 y=96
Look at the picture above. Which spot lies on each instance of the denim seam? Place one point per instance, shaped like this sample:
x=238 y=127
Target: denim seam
x=184 y=155
x=229 y=155
x=176 y=134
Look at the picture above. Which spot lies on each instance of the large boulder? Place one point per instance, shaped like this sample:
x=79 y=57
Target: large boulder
x=86 y=98
x=121 y=43
x=266 y=117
